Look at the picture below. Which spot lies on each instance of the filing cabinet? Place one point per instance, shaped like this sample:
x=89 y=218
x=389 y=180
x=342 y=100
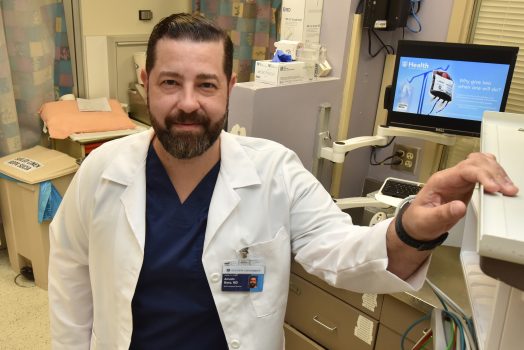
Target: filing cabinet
x=327 y=320
x=320 y=316
x=368 y=303
x=298 y=341
x=388 y=339
x=399 y=316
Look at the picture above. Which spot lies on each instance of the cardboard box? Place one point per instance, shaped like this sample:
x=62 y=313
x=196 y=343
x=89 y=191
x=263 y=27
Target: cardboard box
x=27 y=239
x=280 y=73
x=301 y=20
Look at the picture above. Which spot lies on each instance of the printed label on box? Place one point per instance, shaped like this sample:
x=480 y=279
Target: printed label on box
x=301 y=20
x=24 y=164
x=280 y=73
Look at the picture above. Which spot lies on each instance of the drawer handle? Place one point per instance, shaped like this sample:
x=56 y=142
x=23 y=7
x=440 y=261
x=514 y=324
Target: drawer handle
x=331 y=329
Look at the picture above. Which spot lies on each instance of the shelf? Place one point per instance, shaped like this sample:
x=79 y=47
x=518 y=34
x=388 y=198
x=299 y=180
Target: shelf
x=253 y=85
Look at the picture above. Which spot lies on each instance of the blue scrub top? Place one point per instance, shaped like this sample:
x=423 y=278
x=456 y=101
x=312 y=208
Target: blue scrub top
x=173 y=307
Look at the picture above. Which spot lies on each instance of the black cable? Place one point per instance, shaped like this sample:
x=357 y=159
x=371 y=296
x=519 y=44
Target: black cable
x=383 y=44
x=418 y=6
x=373 y=155
x=21 y=285
x=387 y=144
x=384 y=47
x=373 y=159
x=360 y=8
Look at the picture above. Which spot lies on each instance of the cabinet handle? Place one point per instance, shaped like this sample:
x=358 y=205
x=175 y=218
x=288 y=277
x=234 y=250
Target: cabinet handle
x=331 y=329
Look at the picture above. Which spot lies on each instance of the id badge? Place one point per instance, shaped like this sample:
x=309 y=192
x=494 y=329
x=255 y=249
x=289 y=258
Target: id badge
x=244 y=275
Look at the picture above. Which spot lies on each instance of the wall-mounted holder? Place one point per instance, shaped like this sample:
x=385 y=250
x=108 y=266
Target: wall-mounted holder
x=336 y=151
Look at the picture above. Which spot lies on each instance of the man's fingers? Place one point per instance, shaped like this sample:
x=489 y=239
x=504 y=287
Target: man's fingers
x=485 y=169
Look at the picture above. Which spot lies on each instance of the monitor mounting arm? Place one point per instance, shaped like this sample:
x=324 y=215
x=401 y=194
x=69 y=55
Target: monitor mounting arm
x=336 y=151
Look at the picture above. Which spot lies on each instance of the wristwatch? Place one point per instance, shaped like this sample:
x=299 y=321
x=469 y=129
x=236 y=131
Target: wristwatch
x=407 y=239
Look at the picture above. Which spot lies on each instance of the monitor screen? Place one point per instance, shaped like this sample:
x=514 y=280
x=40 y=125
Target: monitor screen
x=446 y=87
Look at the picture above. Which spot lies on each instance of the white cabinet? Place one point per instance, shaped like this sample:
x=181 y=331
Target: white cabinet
x=498 y=309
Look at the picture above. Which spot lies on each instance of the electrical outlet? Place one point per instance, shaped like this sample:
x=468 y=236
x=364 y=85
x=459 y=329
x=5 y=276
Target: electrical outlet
x=408 y=156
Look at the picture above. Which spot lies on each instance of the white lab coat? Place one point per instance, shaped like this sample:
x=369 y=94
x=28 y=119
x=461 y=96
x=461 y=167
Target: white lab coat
x=263 y=199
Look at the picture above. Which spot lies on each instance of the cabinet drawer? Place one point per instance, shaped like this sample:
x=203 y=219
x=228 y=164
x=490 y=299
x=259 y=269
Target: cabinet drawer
x=298 y=341
x=398 y=316
x=388 y=339
x=326 y=319
x=368 y=303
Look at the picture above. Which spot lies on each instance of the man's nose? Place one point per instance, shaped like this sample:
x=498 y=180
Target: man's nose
x=188 y=101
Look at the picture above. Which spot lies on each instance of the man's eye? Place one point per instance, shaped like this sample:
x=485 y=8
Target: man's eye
x=169 y=82
x=208 y=86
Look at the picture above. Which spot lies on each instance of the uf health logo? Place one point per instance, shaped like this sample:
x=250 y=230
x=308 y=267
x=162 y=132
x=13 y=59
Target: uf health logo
x=413 y=65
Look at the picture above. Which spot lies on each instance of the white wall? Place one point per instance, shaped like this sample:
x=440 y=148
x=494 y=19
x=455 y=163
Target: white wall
x=116 y=17
x=102 y=18
x=434 y=16
x=288 y=114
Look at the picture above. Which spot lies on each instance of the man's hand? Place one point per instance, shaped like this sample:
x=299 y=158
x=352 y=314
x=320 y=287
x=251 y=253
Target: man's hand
x=440 y=204
x=443 y=200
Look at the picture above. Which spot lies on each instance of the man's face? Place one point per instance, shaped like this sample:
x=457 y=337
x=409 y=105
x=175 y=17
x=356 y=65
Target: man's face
x=252 y=282
x=188 y=95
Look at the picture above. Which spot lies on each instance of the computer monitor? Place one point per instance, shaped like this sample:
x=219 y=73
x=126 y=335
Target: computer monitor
x=446 y=87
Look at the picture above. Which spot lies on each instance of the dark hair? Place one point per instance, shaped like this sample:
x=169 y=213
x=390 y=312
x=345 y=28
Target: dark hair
x=191 y=27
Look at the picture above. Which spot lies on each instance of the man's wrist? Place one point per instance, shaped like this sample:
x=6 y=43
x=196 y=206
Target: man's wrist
x=407 y=239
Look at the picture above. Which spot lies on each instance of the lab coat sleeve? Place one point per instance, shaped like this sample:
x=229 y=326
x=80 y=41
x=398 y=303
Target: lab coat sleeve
x=70 y=297
x=327 y=244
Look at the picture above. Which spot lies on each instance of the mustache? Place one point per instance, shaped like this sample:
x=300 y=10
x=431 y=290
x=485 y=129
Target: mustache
x=182 y=117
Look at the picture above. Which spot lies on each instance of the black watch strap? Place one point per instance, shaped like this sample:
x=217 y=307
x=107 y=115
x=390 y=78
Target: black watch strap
x=412 y=242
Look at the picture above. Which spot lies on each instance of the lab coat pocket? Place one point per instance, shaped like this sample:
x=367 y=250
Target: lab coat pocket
x=277 y=257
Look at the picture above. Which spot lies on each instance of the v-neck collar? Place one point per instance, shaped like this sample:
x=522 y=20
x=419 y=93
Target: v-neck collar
x=157 y=175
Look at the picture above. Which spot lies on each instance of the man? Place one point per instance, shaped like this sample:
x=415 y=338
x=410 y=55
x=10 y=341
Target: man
x=252 y=282
x=156 y=229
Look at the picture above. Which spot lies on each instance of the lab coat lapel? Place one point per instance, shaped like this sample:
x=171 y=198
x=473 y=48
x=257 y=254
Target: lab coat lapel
x=128 y=169
x=134 y=202
x=236 y=170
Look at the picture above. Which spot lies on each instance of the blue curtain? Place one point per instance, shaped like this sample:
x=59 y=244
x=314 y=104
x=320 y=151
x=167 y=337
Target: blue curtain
x=35 y=67
x=252 y=25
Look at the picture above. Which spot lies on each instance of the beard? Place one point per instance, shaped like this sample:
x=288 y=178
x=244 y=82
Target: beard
x=186 y=144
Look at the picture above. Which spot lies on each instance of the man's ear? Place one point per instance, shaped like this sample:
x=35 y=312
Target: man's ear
x=144 y=77
x=232 y=82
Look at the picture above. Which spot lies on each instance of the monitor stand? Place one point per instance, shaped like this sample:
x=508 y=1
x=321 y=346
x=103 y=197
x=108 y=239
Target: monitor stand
x=336 y=151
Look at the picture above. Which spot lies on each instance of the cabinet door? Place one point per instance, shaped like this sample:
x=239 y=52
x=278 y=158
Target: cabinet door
x=398 y=316
x=121 y=65
x=387 y=340
x=368 y=303
x=298 y=341
x=328 y=320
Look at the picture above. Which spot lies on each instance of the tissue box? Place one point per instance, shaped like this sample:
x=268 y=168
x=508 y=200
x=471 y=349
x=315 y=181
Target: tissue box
x=301 y=20
x=280 y=73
